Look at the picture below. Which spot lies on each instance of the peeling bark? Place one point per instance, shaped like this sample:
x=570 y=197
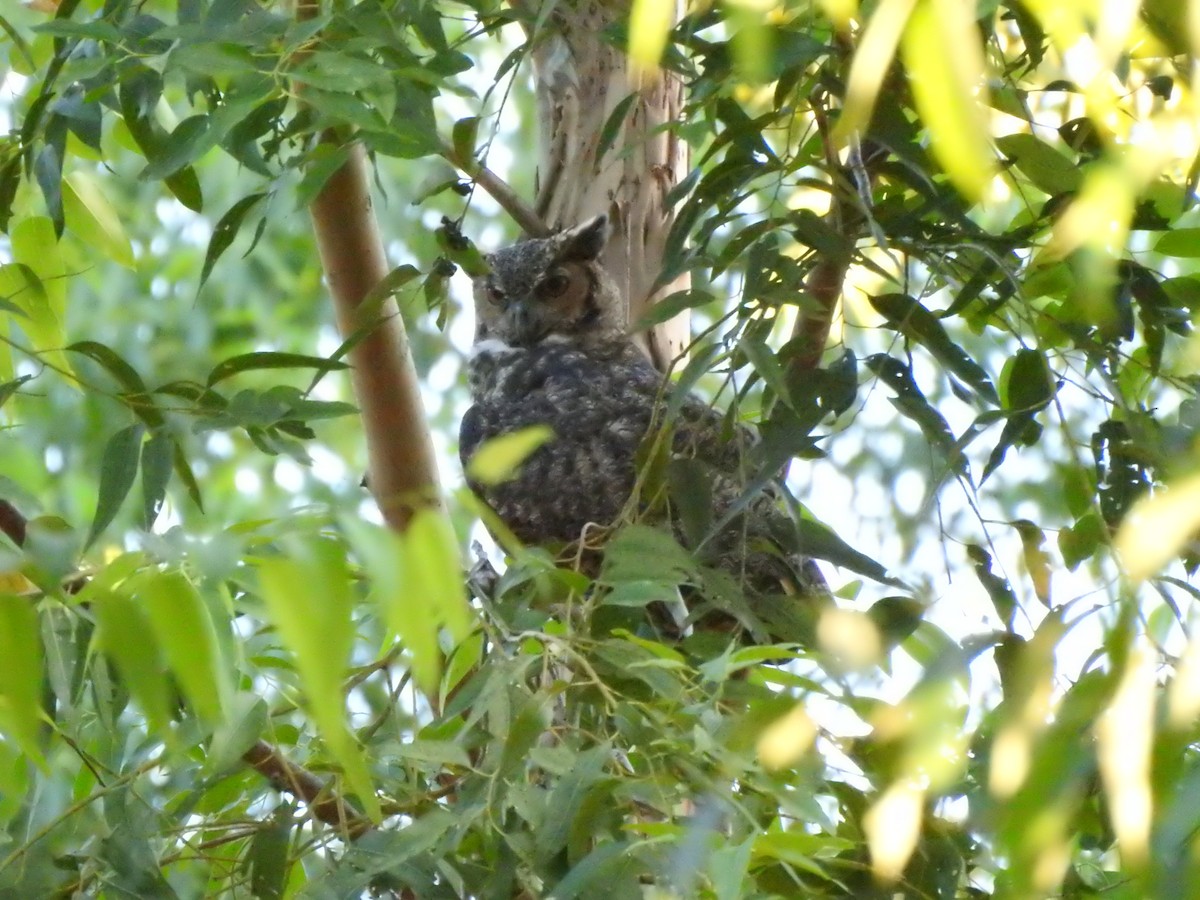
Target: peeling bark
x=580 y=80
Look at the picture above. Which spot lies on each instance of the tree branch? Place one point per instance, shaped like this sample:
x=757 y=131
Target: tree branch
x=498 y=189
x=326 y=805
x=823 y=285
x=401 y=462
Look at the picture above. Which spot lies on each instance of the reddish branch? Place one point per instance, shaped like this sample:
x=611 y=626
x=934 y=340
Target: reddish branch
x=325 y=804
x=401 y=463
x=402 y=468
x=824 y=283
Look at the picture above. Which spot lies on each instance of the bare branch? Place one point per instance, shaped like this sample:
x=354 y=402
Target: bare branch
x=498 y=189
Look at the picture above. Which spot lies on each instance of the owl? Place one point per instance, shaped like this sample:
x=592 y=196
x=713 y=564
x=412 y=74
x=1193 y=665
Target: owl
x=552 y=348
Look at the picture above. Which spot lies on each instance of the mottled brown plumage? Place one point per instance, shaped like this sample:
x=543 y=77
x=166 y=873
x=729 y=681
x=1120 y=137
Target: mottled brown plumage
x=552 y=348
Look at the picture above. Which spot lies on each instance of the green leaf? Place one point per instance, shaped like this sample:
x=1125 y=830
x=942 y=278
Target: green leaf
x=324 y=161
x=372 y=304
x=157 y=456
x=644 y=553
x=766 y=364
x=138 y=397
x=1026 y=382
x=91 y=216
x=917 y=323
x=38 y=285
x=820 y=541
x=417 y=581
x=267 y=856
x=600 y=872
x=112 y=363
x=945 y=68
x=1004 y=601
x=226 y=230
x=672 y=305
x=118 y=469
x=271 y=360
x=912 y=404
x=10 y=388
x=21 y=676
x=498 y=459
x=1049 y=170
x=1080 y=542
x=188 y=142
x=128 y=638
x=612 y=125
x=565 y=799
x=183 y=469
x=463 y=135
x=1180 y=242
x=443 y=753
x=308 y=596
x=184 y=628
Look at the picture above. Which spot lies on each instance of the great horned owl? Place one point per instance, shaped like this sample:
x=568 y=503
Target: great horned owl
x=552 y=348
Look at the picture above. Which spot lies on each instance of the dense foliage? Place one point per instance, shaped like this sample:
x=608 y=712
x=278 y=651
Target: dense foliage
x=200 y=626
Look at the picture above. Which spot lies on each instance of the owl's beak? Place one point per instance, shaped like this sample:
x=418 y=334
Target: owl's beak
x=525 y=325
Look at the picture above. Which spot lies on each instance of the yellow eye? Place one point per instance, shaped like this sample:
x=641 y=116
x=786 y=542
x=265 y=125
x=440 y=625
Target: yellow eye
x=553 y=285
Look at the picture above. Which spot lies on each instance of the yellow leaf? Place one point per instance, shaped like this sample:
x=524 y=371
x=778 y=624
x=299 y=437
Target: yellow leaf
x=840 y=12
x=871 y=62
x=1124 y=739
x=650 y=22
x=892 y=826
x=15 y=583
x=945 y=67
x=90 y=216
x=850 y=638
x=1099 y=216
x=497 y=459
x=786 y=740
x=1157 y=527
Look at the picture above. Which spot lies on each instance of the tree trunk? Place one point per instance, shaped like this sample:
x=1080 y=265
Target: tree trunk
x=580 y=81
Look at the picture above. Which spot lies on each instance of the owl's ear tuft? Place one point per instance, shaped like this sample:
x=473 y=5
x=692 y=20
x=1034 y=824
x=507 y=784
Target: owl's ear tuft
x=585 y=242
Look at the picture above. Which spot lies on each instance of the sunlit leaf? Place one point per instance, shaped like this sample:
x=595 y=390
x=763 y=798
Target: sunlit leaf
x=37 y=284
x=309 y=597
x=1158 y=527
x=184 y=629
x=128 y=638
x=785 y=740
x=498 y=459
x=21 y=675
x=90 y=215
x=650 y=23
x=945 y=68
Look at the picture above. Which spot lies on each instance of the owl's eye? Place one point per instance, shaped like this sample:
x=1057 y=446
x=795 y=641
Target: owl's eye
x=553 y=285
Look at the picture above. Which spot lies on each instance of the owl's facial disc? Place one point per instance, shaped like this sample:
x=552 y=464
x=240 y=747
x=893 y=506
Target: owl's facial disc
x=560 y=303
